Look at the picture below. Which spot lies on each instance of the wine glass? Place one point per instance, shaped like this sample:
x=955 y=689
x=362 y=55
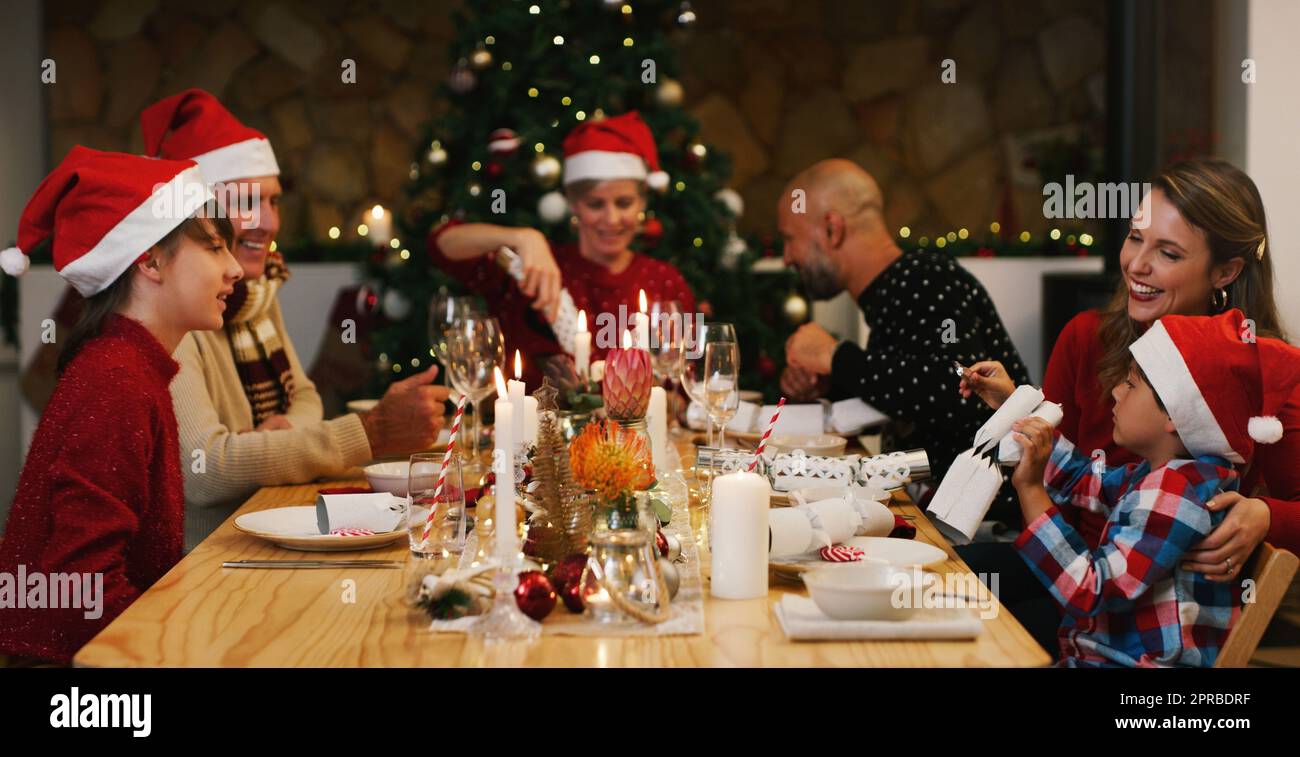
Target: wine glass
x=474 y=348
x=444 y=310
x=666 y=338
x=698 y=336
x=721 y=389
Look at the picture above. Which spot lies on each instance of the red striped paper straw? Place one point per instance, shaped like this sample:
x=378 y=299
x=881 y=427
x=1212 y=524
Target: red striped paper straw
x=762 y=443
x=442 y=474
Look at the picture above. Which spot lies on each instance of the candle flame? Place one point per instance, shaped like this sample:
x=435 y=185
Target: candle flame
x=519 y=366
x=582 y=321
x=643 y=303
x=377 y=212
x=627 y=340
x=501 y=382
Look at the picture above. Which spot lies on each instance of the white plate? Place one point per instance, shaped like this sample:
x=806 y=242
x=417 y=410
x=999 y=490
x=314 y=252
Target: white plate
x=361 y=406
x=899 y=553
x=295 y=528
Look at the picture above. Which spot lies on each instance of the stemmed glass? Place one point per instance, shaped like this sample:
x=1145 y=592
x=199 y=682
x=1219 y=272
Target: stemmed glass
x=693 y=372
x=444 y=310
x=721 y=390
x=474 y=347
x=666 y=338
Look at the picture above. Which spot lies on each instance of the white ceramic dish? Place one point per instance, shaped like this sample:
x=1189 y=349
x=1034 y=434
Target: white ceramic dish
x=295 y=528
x=825 y=445
x=880 y=550
x=859 y=591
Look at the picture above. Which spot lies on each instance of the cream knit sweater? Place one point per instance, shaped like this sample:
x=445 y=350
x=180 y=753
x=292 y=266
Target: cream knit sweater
x=215 y=419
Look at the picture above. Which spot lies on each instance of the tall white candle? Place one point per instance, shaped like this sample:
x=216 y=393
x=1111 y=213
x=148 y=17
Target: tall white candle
x=380 y=224
x=503 y=461
x=515 y=389
x=582 y=347
x=738 y=529
x=530 y=420
x=642 y=326
x=657 y=425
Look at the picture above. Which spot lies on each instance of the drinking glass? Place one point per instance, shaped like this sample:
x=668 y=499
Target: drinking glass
x=444 y=311
x=693 y=374
x=448 y=526
x=666 y=338
x=721 y=389
x=474 y=348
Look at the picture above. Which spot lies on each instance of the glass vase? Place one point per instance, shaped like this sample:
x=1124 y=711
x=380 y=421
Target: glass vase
x=623 y=582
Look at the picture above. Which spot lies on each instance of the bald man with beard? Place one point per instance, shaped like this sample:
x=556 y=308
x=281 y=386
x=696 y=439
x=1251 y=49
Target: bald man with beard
x=924 y=312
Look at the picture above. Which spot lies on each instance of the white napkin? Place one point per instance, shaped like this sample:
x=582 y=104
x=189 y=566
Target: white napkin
x=380 y=512
x=852 y=415
x=807 y=419
x=801 y=619
x=741 y=423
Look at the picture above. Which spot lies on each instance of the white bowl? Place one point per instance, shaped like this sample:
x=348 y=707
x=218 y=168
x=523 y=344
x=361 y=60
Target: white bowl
x=361 y=406
x=826 y=445
x=389 y=477
x=863 y=591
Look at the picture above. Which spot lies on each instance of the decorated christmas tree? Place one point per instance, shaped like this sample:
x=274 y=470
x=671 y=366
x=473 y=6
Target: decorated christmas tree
x=523 y=75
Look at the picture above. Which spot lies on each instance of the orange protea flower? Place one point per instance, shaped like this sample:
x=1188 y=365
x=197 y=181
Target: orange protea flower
x=610 y=460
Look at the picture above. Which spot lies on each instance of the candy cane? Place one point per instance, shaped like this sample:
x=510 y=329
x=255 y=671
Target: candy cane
x=762 y=443
x=442 y=474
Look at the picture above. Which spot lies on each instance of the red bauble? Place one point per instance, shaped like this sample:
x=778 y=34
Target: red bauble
x=574 y=597
x=766 y=366
x=661 y=542
x=568 y=571
x=534 y=594
x=706 y=308
x=652 y=230
x=493 y=169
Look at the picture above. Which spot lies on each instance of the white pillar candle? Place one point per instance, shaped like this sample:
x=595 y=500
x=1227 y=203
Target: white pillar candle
x=582 y=347
x=515 y=388
x=738 y=531
x=503 y=463
x=657 y=425
x=642 y=326
x=380 y=225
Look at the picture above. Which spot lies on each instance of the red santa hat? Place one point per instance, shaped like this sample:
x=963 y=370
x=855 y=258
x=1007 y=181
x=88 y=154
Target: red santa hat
x=194 y=125
x=1221 y=385
x=105 y=210
x=620 y=147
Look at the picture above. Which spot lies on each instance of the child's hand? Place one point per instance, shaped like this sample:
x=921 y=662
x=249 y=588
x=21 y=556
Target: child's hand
x=1036 y=437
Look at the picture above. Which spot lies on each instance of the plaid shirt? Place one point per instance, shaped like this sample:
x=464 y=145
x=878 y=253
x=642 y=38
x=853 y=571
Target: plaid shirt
x=1128 y=602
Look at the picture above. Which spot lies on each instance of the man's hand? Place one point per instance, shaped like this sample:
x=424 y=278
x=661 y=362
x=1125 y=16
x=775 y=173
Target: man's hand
x=408 y=417
x=799 y=385
x=274 y=423
x=810 y=348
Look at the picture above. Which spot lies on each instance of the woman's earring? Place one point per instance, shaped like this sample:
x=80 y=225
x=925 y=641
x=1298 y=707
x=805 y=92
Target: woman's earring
x=1219 y=298
x=573 y=221
x=641 y=216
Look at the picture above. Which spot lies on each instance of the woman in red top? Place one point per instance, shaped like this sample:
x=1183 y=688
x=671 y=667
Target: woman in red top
x=97 y=517
x=607 y=166
x=1205 y=249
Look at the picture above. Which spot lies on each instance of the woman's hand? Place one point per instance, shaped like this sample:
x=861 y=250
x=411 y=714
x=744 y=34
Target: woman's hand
x=990 y=380
x=1036 y=438
x=541 y=280
x=1221 y=555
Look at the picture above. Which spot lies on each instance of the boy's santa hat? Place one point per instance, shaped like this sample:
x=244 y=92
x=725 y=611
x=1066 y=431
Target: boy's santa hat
x=1222 y=385
x=105 y=210
x=194 y=125
x=620 y=147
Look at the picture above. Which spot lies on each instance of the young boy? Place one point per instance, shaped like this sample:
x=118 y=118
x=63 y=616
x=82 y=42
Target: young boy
x=1200 y=393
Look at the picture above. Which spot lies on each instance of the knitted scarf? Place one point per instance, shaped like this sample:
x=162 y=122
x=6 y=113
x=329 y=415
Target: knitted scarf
x=259 y=352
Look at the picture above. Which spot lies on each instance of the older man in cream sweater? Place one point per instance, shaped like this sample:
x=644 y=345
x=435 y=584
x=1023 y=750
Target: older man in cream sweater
x=248 y=415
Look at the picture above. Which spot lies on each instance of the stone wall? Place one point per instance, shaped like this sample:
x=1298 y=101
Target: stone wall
x=778 y=83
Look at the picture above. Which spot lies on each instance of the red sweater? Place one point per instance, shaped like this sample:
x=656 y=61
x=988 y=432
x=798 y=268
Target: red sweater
x=593 y=288
x=100 y=493
x=1071 y=380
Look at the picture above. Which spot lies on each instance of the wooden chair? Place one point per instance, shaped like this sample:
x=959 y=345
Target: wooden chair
x=1272 y=570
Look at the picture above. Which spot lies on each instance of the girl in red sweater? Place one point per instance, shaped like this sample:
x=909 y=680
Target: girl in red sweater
x=1205 y=249
x=98 y=513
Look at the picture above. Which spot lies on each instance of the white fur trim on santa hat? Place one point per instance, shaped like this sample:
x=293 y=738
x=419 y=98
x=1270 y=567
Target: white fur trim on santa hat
x=139 y=230
x=1172 y=381
x=602 y=165
x=1265 y=429
x=14 y=262
x=657 y=180
x=242 y=160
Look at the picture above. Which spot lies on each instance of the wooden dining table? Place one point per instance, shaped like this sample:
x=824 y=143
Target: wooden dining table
x=203 y=615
